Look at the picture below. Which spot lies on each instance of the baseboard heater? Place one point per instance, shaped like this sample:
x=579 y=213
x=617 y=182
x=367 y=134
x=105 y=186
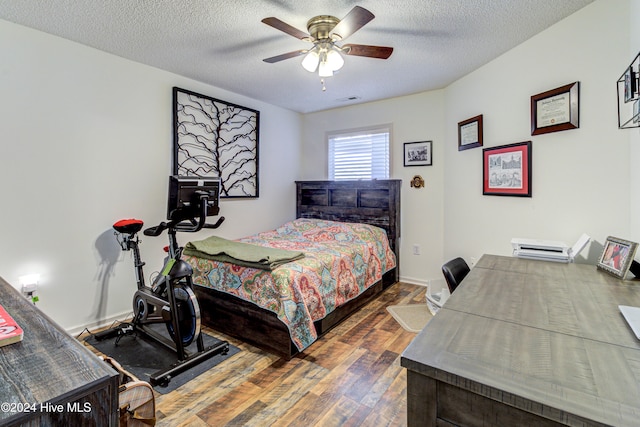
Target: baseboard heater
x=548 y=250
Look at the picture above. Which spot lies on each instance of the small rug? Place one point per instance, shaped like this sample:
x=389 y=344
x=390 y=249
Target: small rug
x=412 y=317
x=144 y=357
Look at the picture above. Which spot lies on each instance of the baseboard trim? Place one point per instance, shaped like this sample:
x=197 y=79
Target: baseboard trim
x=413 y=281
x=124 y=316
x=99 y=324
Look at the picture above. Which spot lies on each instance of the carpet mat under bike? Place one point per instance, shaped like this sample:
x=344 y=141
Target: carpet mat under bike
x=144 y=357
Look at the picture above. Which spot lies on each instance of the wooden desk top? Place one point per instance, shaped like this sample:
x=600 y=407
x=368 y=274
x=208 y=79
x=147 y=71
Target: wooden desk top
x=48 y=365
x=541 y=336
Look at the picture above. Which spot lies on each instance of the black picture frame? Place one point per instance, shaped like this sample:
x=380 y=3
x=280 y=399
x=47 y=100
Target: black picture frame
x=470 y=133
x=556 y=109
x=418 y=153
x=215 y=138
x=506 y=170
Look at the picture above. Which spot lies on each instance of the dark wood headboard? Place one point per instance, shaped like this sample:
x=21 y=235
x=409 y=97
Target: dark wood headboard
x=375 y=202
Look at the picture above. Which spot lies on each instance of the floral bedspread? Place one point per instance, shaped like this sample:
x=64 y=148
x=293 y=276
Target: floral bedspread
x=341 y=261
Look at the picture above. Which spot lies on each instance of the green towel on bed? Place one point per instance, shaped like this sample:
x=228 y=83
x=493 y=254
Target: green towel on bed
x=244 y=254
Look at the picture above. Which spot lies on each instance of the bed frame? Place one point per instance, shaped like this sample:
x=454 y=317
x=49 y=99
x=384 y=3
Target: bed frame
x=374 y=202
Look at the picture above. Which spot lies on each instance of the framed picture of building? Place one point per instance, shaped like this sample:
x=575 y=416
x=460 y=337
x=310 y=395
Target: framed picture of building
x=506 y=170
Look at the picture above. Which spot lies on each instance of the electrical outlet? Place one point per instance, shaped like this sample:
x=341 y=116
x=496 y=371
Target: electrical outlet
x=473 y=261
x=29 y=288
x=416 y=249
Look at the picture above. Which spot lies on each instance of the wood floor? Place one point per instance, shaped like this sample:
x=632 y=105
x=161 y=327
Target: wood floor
x=350 y=377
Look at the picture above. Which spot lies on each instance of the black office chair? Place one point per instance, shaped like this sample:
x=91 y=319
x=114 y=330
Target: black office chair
x=454 y=271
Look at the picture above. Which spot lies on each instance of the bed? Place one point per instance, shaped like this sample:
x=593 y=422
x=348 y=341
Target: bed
x=324 y=203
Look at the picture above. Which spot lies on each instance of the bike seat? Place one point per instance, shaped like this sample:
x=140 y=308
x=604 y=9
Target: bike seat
x=128 y=226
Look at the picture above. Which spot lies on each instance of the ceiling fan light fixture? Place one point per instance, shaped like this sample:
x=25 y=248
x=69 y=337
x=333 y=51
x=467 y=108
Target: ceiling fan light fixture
x=324 y=31
x=335 y=60
x=310 y=61
x=325 y=70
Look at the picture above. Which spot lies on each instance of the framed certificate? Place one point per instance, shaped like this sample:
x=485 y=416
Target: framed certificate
x=470 y=133
x=555 y=110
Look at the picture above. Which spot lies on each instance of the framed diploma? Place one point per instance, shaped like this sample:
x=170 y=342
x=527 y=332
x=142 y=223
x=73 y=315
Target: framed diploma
x=555 y=110
x=506 y=170
x=470 y=133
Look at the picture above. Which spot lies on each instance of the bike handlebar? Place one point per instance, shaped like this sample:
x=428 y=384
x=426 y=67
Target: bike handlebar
x=178 y=224
x=216 y=224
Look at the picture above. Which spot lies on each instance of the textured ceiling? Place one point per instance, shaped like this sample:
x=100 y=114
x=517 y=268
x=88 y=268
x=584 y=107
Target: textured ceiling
x=222 y=43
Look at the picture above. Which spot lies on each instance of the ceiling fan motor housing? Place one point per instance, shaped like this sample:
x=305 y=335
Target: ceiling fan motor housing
x=320 y=27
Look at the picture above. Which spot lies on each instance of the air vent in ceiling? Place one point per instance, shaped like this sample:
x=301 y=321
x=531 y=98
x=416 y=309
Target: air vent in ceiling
x=348 y=99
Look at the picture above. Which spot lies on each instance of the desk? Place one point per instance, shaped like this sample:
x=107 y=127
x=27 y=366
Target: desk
x=524 y=342
x=63 y=383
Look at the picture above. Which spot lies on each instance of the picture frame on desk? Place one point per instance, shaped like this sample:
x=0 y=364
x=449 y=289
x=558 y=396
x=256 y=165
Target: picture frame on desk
x=617 y=256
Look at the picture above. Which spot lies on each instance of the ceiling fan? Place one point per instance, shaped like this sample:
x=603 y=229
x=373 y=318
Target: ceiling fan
x=325 y=31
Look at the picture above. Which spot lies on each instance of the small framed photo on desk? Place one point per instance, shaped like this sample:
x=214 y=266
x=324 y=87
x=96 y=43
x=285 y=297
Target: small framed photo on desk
x=617 y=256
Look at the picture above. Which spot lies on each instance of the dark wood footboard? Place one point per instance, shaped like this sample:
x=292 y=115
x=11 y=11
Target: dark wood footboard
x=245 y=321
x=262 y=328
x=370 y=202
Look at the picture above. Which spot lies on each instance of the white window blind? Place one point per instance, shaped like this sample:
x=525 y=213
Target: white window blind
x=362 y=154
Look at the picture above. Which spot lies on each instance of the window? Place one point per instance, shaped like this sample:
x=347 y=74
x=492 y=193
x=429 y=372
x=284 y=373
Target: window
x=361 y=154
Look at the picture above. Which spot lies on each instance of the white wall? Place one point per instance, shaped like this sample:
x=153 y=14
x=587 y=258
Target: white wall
x=87 y=140
x=580 y=177
x=413 y=118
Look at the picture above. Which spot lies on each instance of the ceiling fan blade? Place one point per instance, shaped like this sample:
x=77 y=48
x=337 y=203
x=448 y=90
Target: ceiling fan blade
x=284 y=27
x=380 y=52
x=357 y=18
x=285 y=56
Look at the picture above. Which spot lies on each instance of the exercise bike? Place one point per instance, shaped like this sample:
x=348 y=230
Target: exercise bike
x=170 y=299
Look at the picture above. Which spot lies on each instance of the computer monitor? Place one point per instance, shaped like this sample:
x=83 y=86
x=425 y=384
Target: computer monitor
x=185 y=192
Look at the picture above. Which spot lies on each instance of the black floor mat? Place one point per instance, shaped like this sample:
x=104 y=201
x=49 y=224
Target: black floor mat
x=144 y=357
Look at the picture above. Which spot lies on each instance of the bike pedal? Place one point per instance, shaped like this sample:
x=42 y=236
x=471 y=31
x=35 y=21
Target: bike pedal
x=126 y=330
